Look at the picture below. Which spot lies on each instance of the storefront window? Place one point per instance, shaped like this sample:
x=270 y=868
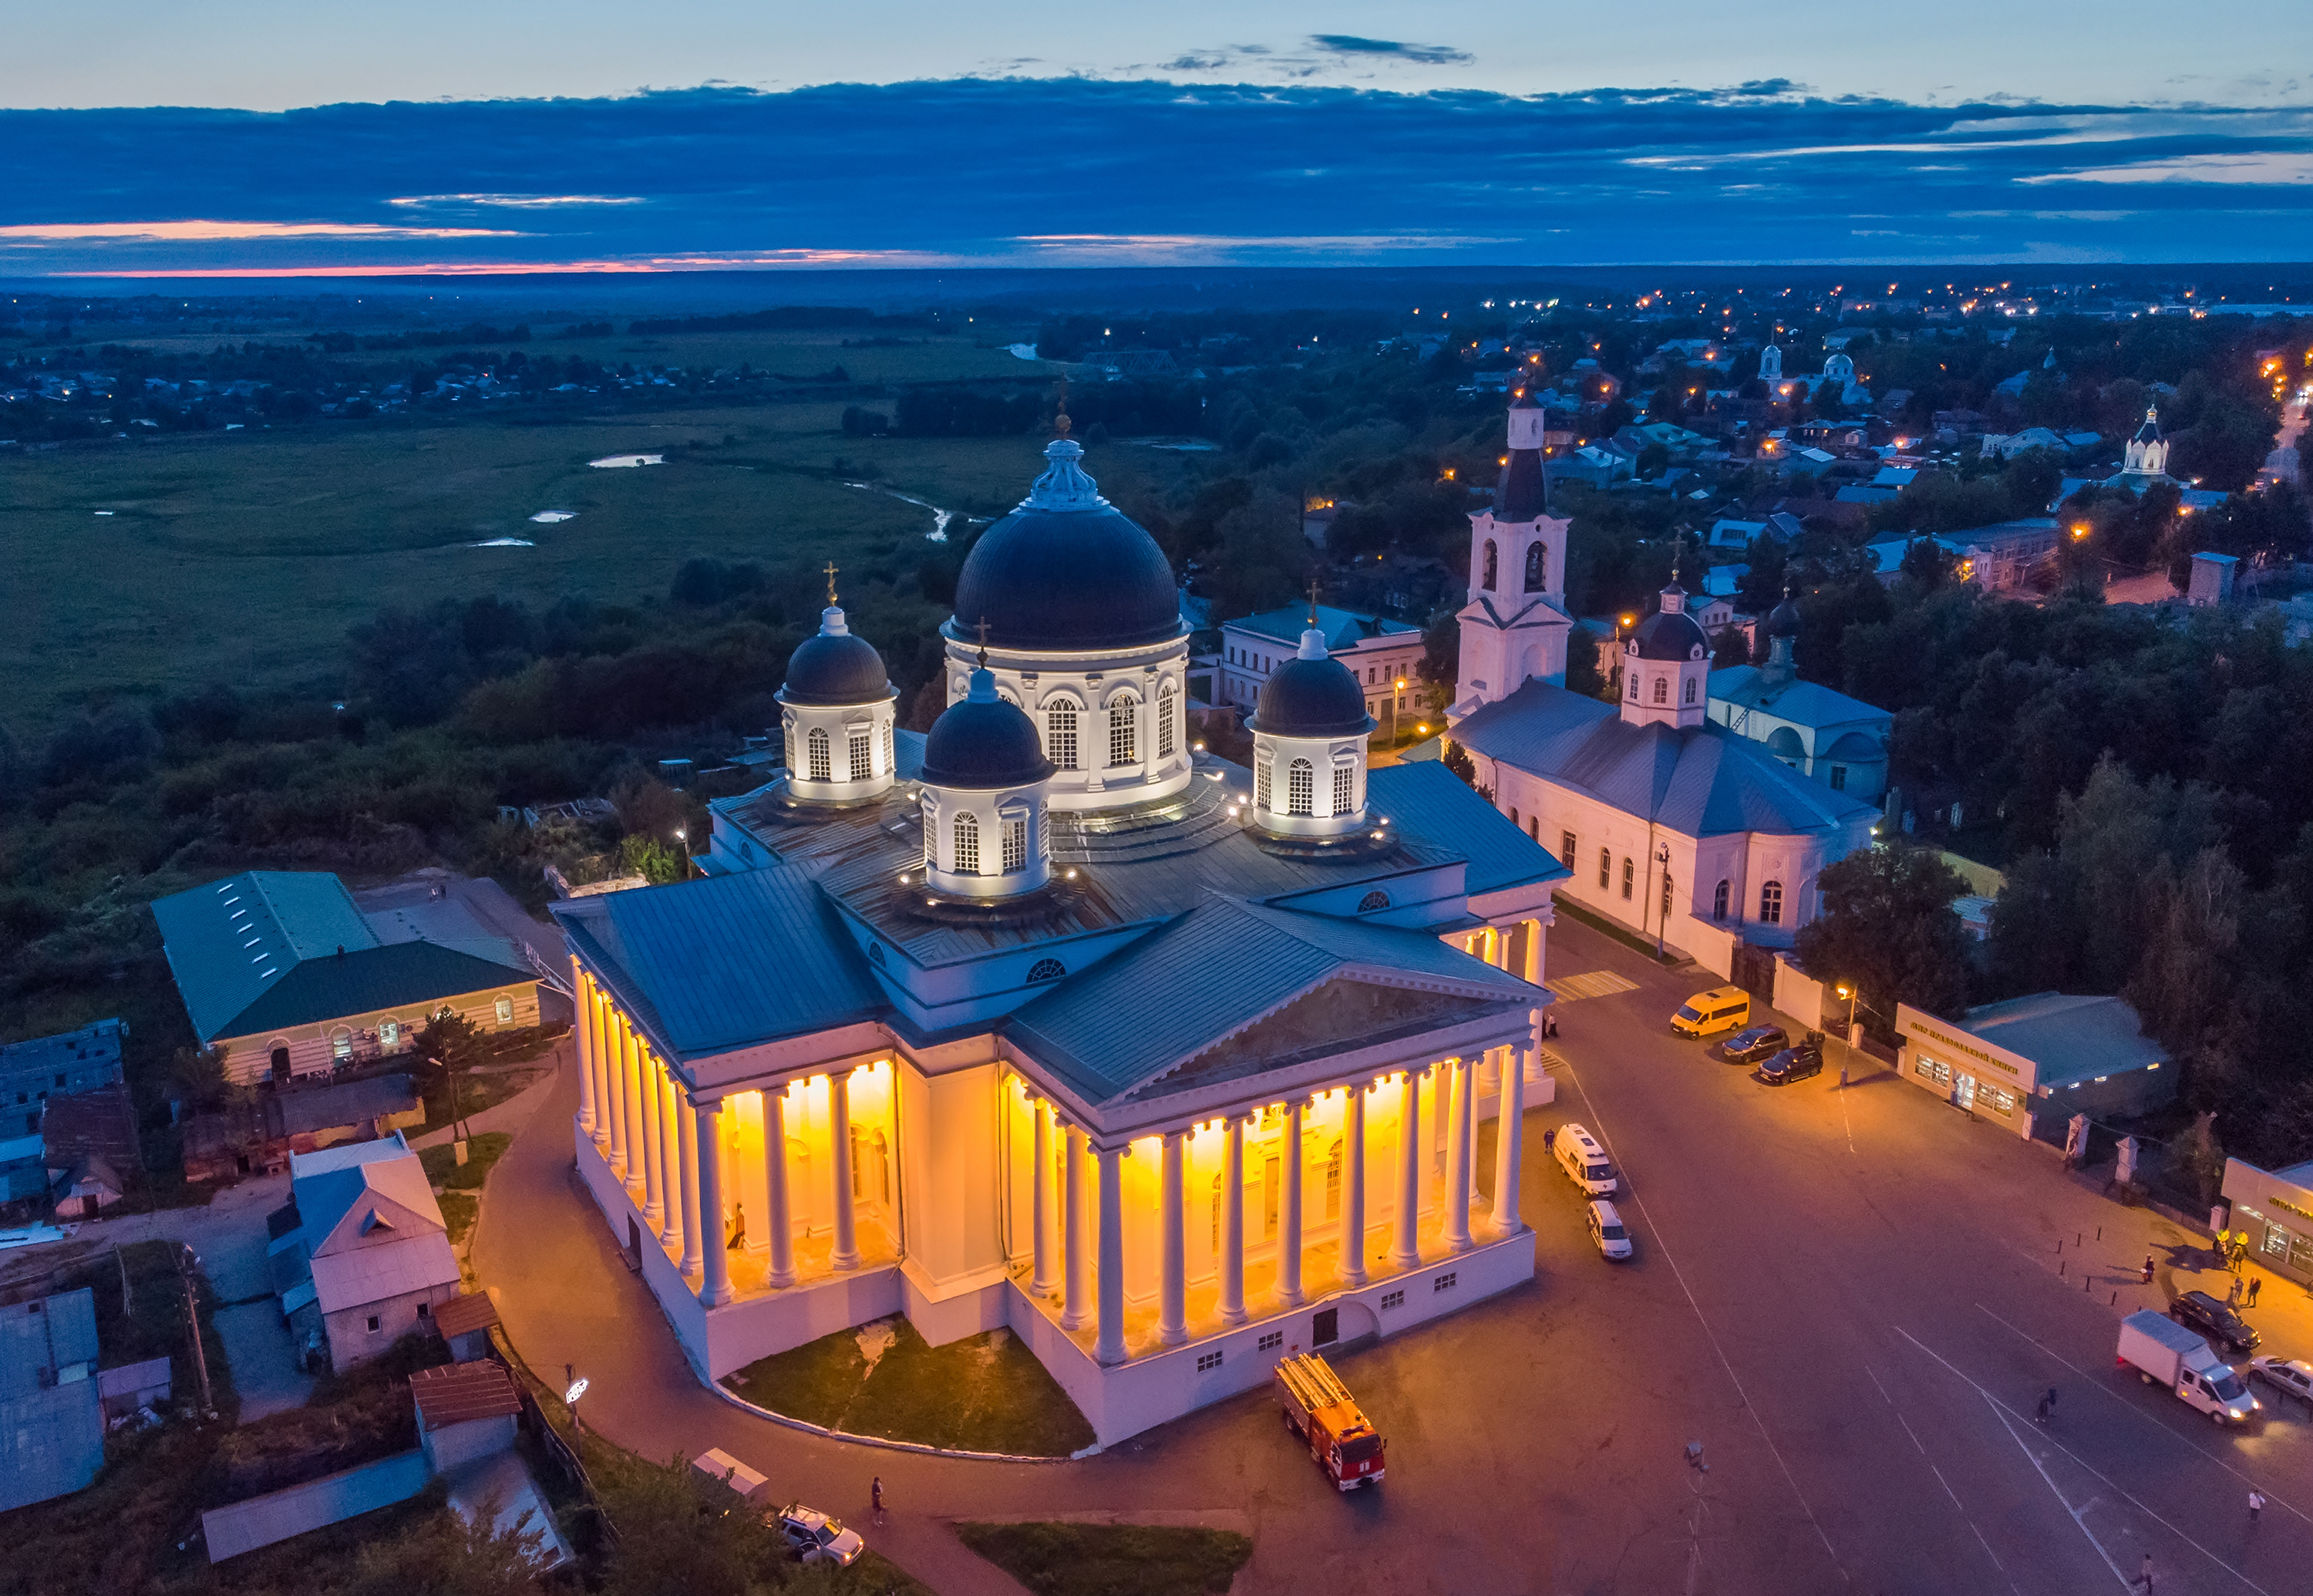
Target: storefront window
x=1933 y=1070
x=1996 y=1098
x=2276 y=1240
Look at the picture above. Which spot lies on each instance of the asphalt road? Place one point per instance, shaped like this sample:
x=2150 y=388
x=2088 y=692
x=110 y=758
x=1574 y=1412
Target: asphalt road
x=1852 y=1299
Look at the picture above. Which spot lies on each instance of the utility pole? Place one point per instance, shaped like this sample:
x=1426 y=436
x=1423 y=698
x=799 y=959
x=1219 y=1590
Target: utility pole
x=193 y=1318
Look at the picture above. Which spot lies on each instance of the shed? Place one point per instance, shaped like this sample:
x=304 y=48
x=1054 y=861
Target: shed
x=464 y=1411
x=133 y=1386
x=465 y=1322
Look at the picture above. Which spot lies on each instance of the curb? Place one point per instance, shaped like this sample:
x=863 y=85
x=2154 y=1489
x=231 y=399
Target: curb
x=808 y=1428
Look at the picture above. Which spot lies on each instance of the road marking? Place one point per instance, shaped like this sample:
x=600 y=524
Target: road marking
x=1940 y=1480
x=2078 y=1515
x=2083 y=1462
x=1734 y=1379
x=1598 y=983
x=2272 y=1497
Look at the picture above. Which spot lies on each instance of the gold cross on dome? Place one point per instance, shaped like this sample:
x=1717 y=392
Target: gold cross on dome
x=1312 y=601
x=831 y=581
x=983 y=642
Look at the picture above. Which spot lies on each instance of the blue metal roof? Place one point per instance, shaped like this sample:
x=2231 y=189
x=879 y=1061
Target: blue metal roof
x=1802 y=703
x=1343 y=629
x=51 y=1432
x=726 y=961
x=1224 y=965
x=1429 y=804
x=1701 y=781
x=228 y=941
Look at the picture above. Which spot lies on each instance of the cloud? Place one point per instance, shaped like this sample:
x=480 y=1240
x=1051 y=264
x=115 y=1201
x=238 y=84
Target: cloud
x=200 y=232
x=1421 y=54
x=1002 y=171
x=2250 y=166
x=520 y=201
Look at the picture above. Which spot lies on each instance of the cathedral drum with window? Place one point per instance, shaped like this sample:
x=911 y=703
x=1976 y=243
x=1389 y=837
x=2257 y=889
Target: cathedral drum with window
x=1042 y=1020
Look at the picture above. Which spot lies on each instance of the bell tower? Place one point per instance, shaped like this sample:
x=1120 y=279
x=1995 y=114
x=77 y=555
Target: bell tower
x=1514 y=628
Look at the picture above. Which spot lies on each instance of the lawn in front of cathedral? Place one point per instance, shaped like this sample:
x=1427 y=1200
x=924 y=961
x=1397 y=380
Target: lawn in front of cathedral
x=986 y=1393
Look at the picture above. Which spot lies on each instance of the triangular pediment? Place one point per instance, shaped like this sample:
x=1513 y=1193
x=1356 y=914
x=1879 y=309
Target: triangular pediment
x=1339 y=1016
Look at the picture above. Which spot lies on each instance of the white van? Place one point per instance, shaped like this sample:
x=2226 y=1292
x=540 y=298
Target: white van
x=1584 y=1160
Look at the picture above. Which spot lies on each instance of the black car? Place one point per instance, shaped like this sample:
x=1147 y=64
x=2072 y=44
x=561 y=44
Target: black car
x=2198 y=1310
x=1749 y=1046
x=1792 y=1063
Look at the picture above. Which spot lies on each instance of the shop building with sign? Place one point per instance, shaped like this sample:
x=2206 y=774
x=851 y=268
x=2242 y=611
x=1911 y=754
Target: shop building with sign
x=2026 y=1058
x=2274 y=1209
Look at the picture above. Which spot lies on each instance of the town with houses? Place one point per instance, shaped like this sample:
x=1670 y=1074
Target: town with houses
x=1679 y=832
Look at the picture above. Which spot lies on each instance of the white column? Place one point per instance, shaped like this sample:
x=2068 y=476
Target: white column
x=1406 y=1252
x=1458 y=1155
x=630 y=1046
x=1233 y=1223
x=582 y=1032
x=716 y=1287
x=1173 y=1316
x=1534 y=951
x=1040 y=1196
x=694 y=1236
x=1110 y=1347
x=1073 y=1313
x=614 y=1064
x=653 y=1146
x=1353 y=1186
x=839 y=1129
x=1510 y=1137
x=1288 y=1240
x=671 y=1116
x=779 y=1220
x=606 y=1104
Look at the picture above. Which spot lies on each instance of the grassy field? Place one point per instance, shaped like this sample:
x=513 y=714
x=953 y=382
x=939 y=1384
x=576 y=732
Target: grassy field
x=245 y=558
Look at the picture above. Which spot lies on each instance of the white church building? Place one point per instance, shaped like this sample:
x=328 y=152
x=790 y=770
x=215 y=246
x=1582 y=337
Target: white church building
x=1047 y=1020
x=1668 y=822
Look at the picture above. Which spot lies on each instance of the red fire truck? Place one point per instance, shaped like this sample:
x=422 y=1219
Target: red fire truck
x=1319 y=1408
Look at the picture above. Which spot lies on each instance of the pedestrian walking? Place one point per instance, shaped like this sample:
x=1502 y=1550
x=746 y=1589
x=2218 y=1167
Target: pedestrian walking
x=2050 y=1399
x=876 y=1493
x=2233 y=1294
x=2148 y=1269
x=2256 y=1281
x=2040 y=1414
x=2144 y=1580
x=2255 y=1504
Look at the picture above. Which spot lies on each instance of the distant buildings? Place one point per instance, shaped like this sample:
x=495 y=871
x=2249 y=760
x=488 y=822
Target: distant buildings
x=34 y=1073
x=1840 y=741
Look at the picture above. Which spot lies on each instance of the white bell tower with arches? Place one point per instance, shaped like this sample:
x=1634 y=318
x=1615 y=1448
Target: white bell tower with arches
x=1516 y=626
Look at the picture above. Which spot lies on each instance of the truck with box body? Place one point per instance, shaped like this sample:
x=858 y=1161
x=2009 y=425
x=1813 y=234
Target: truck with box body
x=1318 y=1407
x=2164 y=1352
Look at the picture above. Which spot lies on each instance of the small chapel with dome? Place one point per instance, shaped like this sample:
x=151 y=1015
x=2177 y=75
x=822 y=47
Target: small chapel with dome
x=1048 y=1020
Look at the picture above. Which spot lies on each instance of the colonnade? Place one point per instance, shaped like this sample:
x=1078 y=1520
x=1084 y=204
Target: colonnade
x=668 y=1150
x=1096 y=1295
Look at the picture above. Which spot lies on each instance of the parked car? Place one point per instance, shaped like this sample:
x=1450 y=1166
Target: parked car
x=2293 y=1376
x=2198 y=1310
x=1707 y=1013
x=1792 y=1063
x=813 y=1536
x=1748 y=1047
x=1607 y=1232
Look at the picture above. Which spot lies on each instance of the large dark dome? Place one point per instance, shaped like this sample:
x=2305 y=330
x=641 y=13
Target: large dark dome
x=1307 y=697
x=1670 y=633
x=981 y=743
x=1066 y=571
x=1784 y=620
x=834 y=667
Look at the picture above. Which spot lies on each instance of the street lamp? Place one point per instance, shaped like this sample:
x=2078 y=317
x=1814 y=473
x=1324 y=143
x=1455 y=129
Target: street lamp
x=1397 y=693
x=1662 y=910
x=1848 y=991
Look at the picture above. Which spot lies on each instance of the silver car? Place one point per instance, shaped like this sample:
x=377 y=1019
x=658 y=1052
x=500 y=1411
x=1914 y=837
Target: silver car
x=2290 y=1376
x=814 y=1538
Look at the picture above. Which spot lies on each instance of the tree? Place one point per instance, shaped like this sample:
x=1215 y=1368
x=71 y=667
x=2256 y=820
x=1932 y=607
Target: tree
x=679 y=1532
x=449 y=1554
x=656 y=862
x=1889 y=930
x=1583 y=675
x=453 y=1043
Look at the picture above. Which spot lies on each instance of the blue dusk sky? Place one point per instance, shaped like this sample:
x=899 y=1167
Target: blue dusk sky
x=272 y=138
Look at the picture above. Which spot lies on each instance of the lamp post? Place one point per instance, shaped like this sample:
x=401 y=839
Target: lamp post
x=682 y=842
x=1662 y=908
x=1396 y=694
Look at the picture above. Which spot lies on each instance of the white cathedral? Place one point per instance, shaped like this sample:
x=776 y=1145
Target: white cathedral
x=1048 y=1019
x=1668 y=822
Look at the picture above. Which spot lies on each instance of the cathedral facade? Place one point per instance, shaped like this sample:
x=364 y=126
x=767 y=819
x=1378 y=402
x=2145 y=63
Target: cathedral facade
x=1048 y=1021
